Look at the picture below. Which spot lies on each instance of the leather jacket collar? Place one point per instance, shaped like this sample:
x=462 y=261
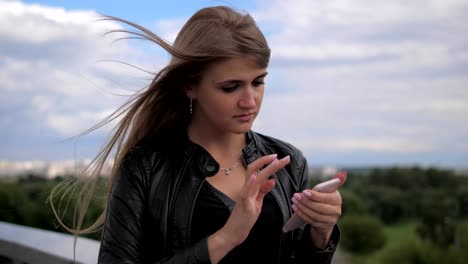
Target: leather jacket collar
x=207 y=165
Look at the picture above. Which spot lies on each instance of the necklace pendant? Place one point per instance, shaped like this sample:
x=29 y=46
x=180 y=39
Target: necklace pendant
x=228 y=170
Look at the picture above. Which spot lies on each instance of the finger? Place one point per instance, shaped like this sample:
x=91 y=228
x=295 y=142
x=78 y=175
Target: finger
x=333 y=198
x=265 y=188
x=260 y=163
x=313 y=217
x=272 y=168
x=250 y=187
x=299 y=199
x=320 y=208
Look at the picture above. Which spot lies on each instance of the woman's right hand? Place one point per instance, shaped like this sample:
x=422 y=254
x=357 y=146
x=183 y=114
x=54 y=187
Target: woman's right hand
x=248 y=207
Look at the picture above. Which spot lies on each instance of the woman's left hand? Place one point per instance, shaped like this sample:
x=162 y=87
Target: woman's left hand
x=320 y=210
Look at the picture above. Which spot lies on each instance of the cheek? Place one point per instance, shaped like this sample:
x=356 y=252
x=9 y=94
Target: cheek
x=258 y=101
x=259 y=97
x=217 y=105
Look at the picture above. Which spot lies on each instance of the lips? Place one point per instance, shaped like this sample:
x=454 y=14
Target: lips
x=245 y=117
x=246 y=114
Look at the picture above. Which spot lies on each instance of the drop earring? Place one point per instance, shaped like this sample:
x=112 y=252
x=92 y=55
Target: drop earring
x=191 y=106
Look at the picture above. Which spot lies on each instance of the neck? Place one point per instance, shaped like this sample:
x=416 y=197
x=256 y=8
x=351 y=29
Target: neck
x=226 y=148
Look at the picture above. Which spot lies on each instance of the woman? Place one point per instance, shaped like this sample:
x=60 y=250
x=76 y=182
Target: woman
x=193 y=183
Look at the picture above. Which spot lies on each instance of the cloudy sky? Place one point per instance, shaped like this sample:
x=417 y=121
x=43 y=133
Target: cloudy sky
x=364 y=82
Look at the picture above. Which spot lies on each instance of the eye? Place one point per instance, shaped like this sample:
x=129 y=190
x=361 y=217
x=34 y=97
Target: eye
x=258 y=82
x=230 y=88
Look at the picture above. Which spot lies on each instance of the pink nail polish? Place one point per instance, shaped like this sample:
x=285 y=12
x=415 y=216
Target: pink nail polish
x=297 y=196
x=306 y=193
x=253 y=177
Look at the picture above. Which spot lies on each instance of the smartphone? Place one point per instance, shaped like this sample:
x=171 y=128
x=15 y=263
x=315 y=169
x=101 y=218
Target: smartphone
x=326 y=187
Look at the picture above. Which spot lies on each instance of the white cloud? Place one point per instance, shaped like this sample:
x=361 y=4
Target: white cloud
x=379 y=76
x=43 y=103
x=394 y=145
x=169 y=28
x=312 y=15
x=376 y=76
x=394 y=33
x=54 y=70
x=41 y=24
x=73 y=123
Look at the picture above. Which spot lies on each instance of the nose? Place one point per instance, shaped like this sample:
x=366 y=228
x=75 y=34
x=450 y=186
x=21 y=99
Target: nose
x=247 y=99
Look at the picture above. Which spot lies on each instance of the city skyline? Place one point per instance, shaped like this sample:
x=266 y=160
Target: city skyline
x=53 y=168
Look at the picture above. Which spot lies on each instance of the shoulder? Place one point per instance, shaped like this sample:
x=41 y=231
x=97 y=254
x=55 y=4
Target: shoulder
x=166 y=150
x=140 y=155
x=157 y=149
x=140 y=162
x=269 y=144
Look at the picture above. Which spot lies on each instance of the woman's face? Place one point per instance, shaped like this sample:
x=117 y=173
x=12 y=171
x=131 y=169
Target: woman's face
x=229 y=96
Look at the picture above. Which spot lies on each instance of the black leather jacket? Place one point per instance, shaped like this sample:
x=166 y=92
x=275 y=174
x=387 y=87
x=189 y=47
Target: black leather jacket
x=150 y=206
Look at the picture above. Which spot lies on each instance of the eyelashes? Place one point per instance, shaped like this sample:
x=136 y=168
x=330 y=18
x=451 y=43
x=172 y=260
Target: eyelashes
x=258 y=83
x=235 y=86
x=230 y=89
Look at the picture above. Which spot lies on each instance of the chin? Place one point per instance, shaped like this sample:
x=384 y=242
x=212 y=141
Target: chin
x=242 y=129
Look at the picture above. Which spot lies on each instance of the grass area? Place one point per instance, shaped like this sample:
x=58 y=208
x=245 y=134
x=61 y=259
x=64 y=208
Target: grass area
x=397 y=235
x=400 y=232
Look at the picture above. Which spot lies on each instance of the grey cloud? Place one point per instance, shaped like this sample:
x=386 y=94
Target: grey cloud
x=361 y=82
x=50 y=72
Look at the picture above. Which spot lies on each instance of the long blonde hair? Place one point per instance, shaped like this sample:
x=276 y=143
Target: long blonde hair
x=210 y=35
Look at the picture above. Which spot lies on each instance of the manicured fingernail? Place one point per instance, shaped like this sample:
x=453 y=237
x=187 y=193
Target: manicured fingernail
x=297 y=196
x=306 y=193
x=294 y=200
x=294 y=207
x=287 y=158
x=275 y=162
x=252 y=178
x=273 y=155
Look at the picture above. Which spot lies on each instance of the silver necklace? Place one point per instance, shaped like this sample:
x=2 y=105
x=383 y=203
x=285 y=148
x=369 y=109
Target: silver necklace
x=227 y=171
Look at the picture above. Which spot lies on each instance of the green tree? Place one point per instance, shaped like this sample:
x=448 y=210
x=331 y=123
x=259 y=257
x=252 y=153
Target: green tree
x=361 y=233
x=353 y=203
x=439 y=218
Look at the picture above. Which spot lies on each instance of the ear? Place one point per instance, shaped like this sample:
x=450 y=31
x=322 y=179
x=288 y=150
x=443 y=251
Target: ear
x=190 y=91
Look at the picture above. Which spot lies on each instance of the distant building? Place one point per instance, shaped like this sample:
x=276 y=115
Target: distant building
x=49 y=169
x=461 y=172
x=323 y=172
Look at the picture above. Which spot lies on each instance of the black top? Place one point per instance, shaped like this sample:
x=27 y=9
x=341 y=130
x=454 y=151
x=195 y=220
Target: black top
x=212 y=209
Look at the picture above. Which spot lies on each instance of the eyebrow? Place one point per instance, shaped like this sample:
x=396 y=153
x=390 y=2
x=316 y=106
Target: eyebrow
x=240 y=81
